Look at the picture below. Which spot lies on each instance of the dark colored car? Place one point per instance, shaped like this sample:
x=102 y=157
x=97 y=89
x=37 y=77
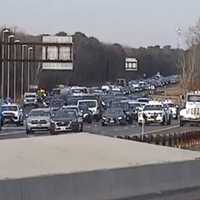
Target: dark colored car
x=114 y=117
x=124 y=105
x=56 y=104
x=65 y=121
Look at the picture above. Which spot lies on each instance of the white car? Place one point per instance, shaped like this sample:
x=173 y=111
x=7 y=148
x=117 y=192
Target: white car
x=12 y=113
x=38 y=120
x=30 y=98
x=154 y=112
x=191 y=112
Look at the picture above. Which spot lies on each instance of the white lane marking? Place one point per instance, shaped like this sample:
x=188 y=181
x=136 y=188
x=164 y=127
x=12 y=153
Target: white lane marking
x=12 y=133
x=12 y=128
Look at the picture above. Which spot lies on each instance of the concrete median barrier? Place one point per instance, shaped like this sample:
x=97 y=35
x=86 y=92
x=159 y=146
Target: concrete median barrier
x=91 y=167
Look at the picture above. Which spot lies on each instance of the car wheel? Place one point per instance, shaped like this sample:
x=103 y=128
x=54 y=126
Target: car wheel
x=130 y=121
x=182 y=123
x=52 y=132
x=21 y=123
x=163 y=122
x=18 y=124
x=169 y=121
x=76 y=129
x=97 y=118
x=103 y=124
x=28 y=131
x=81 y=128
x=89 y=121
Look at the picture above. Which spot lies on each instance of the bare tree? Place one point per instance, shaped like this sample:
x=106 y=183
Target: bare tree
x=190 y=60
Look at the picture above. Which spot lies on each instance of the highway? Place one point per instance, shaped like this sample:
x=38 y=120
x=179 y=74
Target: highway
x=11 y=131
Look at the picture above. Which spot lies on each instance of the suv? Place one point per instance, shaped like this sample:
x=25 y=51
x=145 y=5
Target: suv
x=12 y=113
x=65 y=120
x=154 y=112
x=38 y=120
x=30 y=98
x=191 y=112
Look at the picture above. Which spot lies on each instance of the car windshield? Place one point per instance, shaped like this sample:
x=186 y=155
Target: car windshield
x=89 y=104
x=72 y=101
x=114 y=112
x=171 y=105
x=193 y=98
x=122 y=105
x=30 y=96
x=143 y=100
x=135 y=105
x=65 y=114
x=152 y=107
x=9 y=108
x=39 y=113
x=57 y=103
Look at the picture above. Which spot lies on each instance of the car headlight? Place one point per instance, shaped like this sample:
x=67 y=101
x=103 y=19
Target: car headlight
x=120 y=118
x=85 y=115
x=52 y=122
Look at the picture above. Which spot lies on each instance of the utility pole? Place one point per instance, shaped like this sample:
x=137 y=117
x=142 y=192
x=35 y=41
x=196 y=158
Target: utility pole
x=8 y=74
x=179 y=33
x=29 y=55
x=2 y=63
x=14 y=70
x=22 y=70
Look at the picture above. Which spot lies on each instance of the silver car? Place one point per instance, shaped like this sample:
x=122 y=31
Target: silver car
x=38 y=120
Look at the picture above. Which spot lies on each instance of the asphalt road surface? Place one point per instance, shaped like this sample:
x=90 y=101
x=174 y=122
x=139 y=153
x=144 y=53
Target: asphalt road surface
x=11 y=131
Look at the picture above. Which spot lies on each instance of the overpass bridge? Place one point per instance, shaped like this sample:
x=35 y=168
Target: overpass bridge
x=91 y=167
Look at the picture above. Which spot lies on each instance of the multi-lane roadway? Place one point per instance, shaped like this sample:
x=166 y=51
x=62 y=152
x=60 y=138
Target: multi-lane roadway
x=11 y=131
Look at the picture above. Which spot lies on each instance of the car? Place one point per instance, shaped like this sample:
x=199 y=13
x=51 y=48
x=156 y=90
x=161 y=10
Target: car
x=65 y=121
x=30 y=99
x=114 y=116
x=173 y=108
x=135 y=107
x=124 y=105
x=154 y=112
x=73 y=107
x=143 y=100
x=56 y=104
x=86 y=113
x=38 y=120
x=93 y=107
x=12 y=113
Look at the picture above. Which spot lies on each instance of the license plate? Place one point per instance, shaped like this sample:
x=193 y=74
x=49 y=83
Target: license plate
x=112 y=121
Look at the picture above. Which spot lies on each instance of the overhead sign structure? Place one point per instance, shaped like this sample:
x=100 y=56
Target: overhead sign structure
x=59 y=52
x=131 y=64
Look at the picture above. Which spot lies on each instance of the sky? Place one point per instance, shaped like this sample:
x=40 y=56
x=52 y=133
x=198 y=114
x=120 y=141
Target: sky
x=132 y=23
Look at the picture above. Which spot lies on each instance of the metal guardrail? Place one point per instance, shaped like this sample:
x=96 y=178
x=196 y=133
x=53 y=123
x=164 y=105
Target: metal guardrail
x=181 y=140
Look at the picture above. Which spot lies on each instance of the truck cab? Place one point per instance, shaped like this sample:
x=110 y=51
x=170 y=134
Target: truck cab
x=191 y=112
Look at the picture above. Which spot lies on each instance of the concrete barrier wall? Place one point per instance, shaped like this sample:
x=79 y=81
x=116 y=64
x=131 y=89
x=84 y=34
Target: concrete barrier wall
x=105 y=184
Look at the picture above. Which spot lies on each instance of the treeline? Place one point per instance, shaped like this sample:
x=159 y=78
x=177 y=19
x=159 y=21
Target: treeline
x=96 y=62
